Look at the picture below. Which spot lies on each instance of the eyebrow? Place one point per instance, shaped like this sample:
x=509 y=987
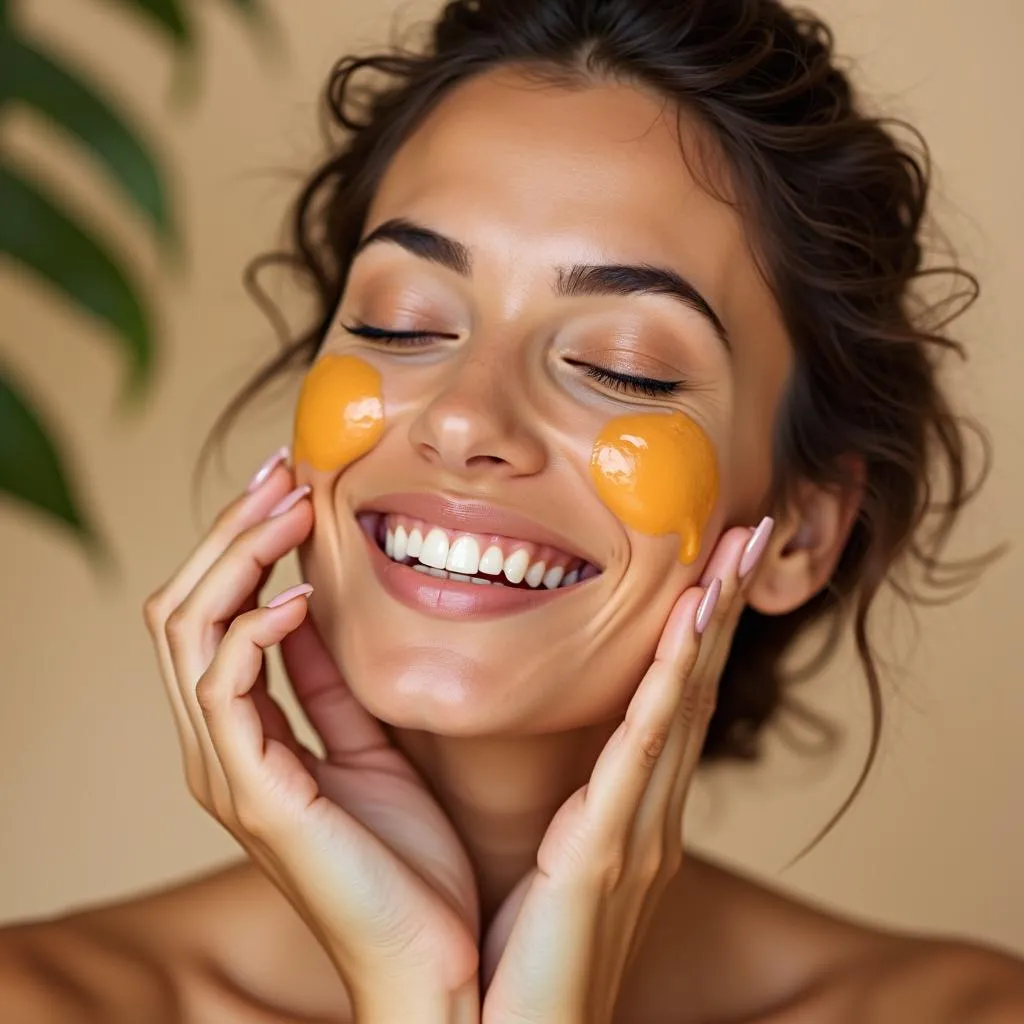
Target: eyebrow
x=582 y=279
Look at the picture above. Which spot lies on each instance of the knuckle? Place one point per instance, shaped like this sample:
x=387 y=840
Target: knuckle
x=239 y=626
x=177 y=623
x=572 y=857
x=155 y=610
x=651 y=743
x=612 y=870
x=706 y=704
x=690 y=706
x=651 y=862
x=240 y=631
x=689 y=661
x=206 y=694
x=244 y=547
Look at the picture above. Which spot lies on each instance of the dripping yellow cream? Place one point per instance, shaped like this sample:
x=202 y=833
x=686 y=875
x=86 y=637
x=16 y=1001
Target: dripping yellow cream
x=657 y=473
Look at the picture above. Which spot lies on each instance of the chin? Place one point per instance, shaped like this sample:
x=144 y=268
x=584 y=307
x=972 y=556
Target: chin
x=440 y=688
x=436 y=688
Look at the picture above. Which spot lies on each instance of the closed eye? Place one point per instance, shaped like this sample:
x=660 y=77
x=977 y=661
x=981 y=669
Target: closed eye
x=401 y=339
x=629 y=382
x=652 y=387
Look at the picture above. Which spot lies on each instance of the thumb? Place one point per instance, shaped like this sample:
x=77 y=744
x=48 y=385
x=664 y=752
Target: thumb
x=501 y=928
x=346 y=728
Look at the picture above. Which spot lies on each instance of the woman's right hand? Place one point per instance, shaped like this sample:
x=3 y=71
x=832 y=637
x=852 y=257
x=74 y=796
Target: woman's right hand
x=354 y=840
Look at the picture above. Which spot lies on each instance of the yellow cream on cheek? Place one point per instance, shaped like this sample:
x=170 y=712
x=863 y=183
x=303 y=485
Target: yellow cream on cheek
x=657 y=473
x=340 y=413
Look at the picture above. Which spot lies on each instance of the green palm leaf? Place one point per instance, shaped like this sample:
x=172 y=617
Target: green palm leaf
x=41 y=234
x=31 y=468
x=38 y=234
x=29 y=75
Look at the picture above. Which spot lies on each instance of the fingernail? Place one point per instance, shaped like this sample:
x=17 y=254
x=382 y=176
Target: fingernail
x=267 y=468
x=291 y=499
x=755 y=546
x=707 y=604
x=301 y=590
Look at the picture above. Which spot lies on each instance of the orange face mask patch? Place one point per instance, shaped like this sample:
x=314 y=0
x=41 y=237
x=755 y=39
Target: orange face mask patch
x=657 y=473
x=340 y=413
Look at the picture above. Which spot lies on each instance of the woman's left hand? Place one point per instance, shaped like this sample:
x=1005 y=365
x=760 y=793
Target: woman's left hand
x=575 y=921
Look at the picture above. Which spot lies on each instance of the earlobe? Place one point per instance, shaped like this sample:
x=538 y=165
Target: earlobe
x=807 y=544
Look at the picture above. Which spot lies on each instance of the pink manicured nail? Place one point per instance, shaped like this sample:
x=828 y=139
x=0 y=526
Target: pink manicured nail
x=267 y=468
x=291 y=499
x=302 y=590
x=755 y=546
x=707 y=604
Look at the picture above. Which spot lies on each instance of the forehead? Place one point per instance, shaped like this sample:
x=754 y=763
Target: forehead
x=541 y=174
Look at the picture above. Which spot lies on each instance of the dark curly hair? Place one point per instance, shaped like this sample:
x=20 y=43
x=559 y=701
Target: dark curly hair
x=835 y=208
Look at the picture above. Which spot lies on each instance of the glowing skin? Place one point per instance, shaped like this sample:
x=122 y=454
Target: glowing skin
x=340 y=413
x=657 y=473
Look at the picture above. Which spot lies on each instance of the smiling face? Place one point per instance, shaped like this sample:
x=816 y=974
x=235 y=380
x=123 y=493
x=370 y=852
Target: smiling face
x=581 y=433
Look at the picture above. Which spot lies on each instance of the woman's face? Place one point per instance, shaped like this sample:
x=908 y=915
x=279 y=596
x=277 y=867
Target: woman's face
x=516 y=416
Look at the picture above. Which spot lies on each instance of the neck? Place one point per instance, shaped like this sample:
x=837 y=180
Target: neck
x=501 y=793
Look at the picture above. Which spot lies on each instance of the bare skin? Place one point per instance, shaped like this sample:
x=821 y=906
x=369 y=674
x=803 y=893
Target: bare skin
x=505 y=725
x=228 y=947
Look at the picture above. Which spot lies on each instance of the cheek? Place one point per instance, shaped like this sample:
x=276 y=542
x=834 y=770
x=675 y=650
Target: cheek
x=340 y=413
x=658 y=474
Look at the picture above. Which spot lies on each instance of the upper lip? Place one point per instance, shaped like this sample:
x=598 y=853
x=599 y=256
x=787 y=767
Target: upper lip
x=473 y=516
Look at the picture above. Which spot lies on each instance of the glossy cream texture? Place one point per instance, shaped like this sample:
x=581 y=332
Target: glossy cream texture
x=657 y=473
x=340 y=413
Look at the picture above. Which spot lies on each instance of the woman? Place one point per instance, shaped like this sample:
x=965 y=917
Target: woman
x=616 y=388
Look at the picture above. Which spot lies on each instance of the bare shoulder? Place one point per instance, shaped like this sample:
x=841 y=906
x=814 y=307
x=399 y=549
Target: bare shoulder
x=931 y=981
x=727 y=946
x=864 y=972
x=225 y=945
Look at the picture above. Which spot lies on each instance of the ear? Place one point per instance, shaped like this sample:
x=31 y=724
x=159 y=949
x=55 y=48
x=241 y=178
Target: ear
x=807 y=542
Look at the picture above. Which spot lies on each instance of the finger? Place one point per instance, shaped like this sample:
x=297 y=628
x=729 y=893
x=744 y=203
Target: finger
x=738 y=566
x=265 y=778
x=624 y=767
x=275 y=724
x=346 y=728
x=665 y=717
x=198 y=626
x=241 y=513
x=739 y=552
x=725 y=560
x=719 y=625
x=273 y=480
x=244 y=511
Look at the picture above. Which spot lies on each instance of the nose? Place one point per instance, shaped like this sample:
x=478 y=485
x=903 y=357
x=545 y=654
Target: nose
x=475 y=426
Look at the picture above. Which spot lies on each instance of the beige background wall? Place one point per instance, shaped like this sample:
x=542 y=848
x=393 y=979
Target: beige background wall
x=92 y=802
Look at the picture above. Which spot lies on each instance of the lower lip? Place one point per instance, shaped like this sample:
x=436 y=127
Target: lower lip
x=451 y=599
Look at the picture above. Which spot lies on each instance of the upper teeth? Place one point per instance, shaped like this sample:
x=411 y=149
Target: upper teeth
x=462 y=556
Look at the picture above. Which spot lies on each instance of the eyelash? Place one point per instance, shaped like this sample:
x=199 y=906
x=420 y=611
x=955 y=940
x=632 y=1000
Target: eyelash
x=404 y=339
x=625 y=382
x=630 y=383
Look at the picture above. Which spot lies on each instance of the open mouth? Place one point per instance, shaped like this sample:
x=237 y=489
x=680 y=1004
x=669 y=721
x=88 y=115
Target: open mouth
x=485 y=559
